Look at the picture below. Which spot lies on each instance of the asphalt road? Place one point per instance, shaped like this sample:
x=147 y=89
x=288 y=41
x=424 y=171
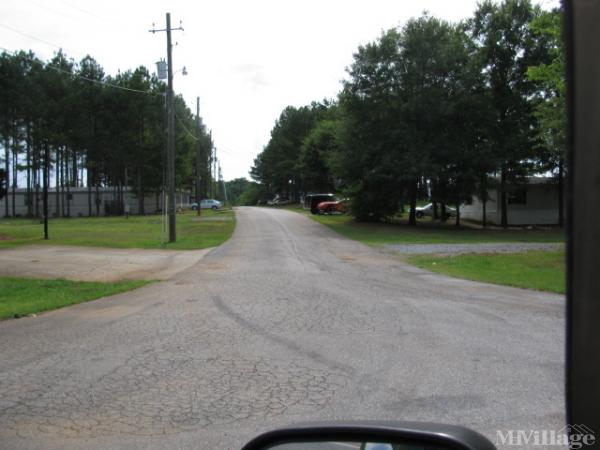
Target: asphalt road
x=286 y=322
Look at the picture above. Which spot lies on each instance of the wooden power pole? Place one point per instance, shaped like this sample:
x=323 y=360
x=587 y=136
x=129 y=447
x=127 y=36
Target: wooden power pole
x=170 y=132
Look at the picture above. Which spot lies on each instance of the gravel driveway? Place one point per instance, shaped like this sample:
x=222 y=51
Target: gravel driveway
x=456 y=249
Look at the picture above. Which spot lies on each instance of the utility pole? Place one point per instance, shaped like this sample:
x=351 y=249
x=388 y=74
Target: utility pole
x=170 y=132
x=198 y=156
x=223 y=182
x=215 y=180
x=211 y=180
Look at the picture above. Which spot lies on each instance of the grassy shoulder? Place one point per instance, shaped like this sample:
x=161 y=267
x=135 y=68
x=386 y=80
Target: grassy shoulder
x=210 y=229
x=540 y=270
x=429 y=232
x=22 y=296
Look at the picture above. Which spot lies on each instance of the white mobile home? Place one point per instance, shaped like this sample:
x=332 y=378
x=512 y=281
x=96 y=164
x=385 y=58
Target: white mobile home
x=103 y=201
x=534 y=202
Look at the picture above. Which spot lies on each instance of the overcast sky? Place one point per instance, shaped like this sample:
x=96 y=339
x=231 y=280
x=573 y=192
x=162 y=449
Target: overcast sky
x=246 y=60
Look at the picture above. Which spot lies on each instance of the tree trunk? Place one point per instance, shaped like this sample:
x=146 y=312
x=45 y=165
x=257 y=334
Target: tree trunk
x=57 y=184
x=140 y=189
x=88 y=173
x=38 y=175
x=28 y=152
x=74 y=171
x=121 y=198
x=436 y=216
x=15 y=151
x=62 y=181
x=97 y=192
x=561 y=193
x=6 y=174
x=503 y=202
x=457 y=214
x=37 y=193
x=68 y=183
x=484 y=199
x=35 y=182
x=46 y=176
x=484 y=216
x=116 y=200
x=412 y=215
x=14 y=181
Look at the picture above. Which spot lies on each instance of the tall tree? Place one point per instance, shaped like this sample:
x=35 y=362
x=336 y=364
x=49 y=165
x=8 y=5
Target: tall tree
x=550 y=99
x=88 y=86
x=10 y=79
x=372 y=131
x=110 y=128
x=508 y=47
x=403 y=121
x=2 y=184
x=316 y=152
x=277 y=166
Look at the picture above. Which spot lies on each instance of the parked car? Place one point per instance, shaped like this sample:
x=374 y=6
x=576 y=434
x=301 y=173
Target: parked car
x=207 y=203
x=427 y=210
x=333 y=207
x=311 y=201
x=279 y=200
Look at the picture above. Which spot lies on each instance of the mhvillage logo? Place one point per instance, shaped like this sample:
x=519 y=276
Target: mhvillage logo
x=572 y=436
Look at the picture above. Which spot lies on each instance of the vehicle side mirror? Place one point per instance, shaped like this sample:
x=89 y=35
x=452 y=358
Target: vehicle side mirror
x=371 y=436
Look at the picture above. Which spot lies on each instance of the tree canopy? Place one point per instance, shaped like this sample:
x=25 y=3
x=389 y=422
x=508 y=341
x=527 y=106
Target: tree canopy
x=99 y=130
x=431 y=110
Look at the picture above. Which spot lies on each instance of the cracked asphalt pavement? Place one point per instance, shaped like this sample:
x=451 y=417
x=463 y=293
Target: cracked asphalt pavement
x=286 y=322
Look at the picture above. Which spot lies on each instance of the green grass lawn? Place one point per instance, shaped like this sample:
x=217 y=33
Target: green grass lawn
x=22 y=296
x=428 y=232
x=210 y=229
x=541 y=270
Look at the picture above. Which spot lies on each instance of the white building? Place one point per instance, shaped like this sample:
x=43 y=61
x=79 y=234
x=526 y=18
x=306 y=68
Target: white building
x=533 y=203
x=77 y=202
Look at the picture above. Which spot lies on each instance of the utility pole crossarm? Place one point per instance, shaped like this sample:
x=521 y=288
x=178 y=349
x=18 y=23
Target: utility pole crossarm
x=154 y=30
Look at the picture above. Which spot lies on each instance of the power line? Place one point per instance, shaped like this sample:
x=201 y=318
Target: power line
x=185 y=128
x=104 y=83
x=85 y=11
x=122 y=27
x=14 y=30
x=47 y=8
x=226 y=150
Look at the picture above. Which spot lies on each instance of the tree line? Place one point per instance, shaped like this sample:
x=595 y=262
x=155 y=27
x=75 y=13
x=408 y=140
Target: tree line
x=435 y=110
x=89 y=129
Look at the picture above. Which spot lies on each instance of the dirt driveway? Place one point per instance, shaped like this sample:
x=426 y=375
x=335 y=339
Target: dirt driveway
x=95 y=264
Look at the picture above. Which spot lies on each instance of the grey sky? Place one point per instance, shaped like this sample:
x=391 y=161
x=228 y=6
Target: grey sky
x=246 y=60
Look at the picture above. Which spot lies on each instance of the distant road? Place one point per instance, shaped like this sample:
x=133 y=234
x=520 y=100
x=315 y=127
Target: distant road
x=286 y=322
